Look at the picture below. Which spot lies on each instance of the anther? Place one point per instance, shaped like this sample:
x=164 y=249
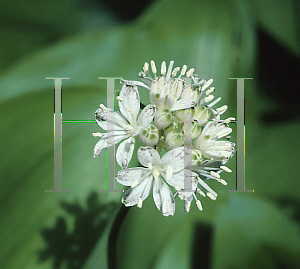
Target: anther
x=225 y=168
x=198 y=203
x=222 y=181
x=129 y=110
x=222 y=109
x=183 y=70
x=146 y=68
x=178 y=190
x=169 y=172
x=153 y=67
x=201 y=192
x=208 y=98
x=211 y=196
x=140 y=203
x=163 y=68
x=187 y=206
x=164 y=206
x=134 y=184
x=103 y=107
x=97 y=134
x=175 y=71
x=210 y=90
x=190 y=72
x=214 y=174
x=119 y=98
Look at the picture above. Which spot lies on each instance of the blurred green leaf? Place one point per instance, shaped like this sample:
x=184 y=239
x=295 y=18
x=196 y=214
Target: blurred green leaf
x=251 y=233
x=280 y=19
x=219 y=40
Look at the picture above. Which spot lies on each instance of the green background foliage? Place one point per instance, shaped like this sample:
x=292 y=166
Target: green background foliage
x=85 y=41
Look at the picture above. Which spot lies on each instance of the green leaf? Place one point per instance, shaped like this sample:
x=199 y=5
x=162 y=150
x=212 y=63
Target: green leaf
x=254 y=234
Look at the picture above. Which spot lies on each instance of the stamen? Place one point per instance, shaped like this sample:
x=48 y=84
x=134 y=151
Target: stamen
x=187 y=206
x=164 y=206
x=169 y=70
x=198 y=203
x=128 y=109
x=224 y=132
x=175 y=71
x=163 y=69
x=119 y=98
x=103 y=107
x=229 y=119
x=214 y=102
x=190 y=72
x=225 y=168
x=210 y=90
x=153 y=67
x=208 y=98
x=211 y=196
x=169 y=172
x=134 y=184
x=201 y=192
x=214 y=174
x=222 y=109
x=140 y=203
x=97 y=134
x=146 y=68
x=178 y=190
x=207 y=84
x=150 y=166
x=223 y=182
x=183 y=70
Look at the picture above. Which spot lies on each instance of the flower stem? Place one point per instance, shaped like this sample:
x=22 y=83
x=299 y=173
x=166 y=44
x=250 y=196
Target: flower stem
x=113 y=236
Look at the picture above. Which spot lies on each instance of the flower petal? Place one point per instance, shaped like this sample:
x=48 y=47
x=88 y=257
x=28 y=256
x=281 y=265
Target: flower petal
x=132 y=195
x=102 y=143
x=131 y=101
x=124 y=152
x=175 y=158
x=146 y=116
x=163 y=198
x=111 y=120
x=184 y=179
x=148 y=155
x=127 y=176
x=182 y=104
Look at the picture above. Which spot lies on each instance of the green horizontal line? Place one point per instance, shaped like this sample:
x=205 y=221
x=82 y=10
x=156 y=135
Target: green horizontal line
x=78 y=121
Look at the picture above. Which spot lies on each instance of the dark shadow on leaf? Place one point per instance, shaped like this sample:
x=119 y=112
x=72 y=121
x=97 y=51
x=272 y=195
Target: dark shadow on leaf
x=291 y=208
x=202 y=246
x=126 y=10
x=278 y=75
x=73 y=248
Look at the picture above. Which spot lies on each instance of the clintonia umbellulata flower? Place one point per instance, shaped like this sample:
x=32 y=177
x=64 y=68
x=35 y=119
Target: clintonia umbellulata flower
x=161 y=125
x=124 y=125
x=142 y=179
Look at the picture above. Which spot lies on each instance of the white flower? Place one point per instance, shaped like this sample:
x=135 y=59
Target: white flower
x=166 y=90
x=208 y=141
x=124 y=125
x=205 y=170
x=141 y=179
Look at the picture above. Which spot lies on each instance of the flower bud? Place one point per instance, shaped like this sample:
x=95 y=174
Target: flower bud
x=149 y=135
x=174 y=125
x=163 y=118
x=182 y=115
x=197 y=157
x=195 y=94
x=201 y=114
x=196 y=129
x=174 y=139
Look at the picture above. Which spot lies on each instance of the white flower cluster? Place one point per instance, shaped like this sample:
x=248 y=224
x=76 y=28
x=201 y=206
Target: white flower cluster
x=178 y=113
